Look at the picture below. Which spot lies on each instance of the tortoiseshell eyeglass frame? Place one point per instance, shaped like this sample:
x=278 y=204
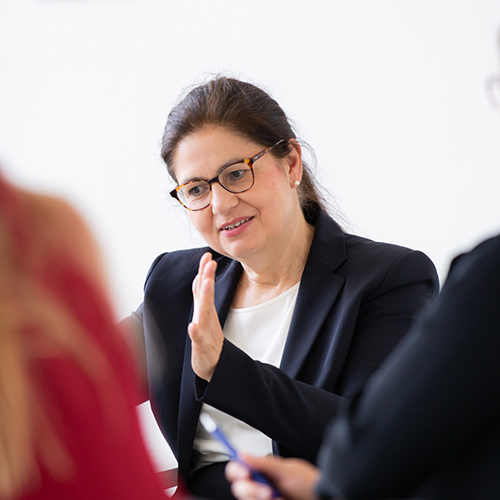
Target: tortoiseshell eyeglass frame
x=248 y=161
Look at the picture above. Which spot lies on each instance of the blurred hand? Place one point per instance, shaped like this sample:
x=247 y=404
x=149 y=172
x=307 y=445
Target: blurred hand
x=205 y=330
x=295 y=479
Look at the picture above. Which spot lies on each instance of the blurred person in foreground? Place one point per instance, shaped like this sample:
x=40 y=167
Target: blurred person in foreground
x=68 y=423
x=427 y=424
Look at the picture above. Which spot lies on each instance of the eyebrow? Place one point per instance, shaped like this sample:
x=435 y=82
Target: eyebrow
x=238 y=159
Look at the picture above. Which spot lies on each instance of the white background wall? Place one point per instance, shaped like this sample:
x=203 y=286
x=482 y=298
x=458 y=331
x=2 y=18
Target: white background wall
x=389 y=93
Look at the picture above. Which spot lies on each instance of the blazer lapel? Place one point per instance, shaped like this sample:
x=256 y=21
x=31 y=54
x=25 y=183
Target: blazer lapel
x=226 y=279
x=319 y=289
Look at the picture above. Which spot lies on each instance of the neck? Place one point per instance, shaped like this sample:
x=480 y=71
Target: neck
x=267 y=277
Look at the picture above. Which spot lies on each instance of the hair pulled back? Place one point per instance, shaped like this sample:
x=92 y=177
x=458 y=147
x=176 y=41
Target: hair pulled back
x=244 y=109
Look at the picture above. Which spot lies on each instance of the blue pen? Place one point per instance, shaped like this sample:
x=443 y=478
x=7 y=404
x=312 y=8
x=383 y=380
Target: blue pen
x=212 y=428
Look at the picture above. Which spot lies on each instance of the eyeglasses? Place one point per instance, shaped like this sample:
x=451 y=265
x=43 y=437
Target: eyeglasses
x=493 y=90
x=236 y=177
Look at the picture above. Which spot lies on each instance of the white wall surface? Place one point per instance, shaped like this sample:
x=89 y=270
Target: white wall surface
x=389 y=93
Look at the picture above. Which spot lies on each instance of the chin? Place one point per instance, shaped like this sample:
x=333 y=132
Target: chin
x=238 y=248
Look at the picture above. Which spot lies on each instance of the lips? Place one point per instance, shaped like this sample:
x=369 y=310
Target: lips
x=234 y=225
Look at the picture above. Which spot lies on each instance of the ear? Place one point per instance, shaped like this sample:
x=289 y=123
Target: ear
x=293 y=163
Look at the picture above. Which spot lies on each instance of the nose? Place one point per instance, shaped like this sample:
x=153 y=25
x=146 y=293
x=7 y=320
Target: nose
x=222 y=200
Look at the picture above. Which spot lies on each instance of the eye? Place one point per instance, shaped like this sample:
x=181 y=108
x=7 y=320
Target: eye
x=237 y=174
x=195 y=189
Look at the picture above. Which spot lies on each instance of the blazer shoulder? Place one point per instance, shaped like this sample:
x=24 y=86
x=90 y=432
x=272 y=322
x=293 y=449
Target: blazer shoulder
x=180 y=266
x=365 y=249
x=347 y=253
x=184 y=258
x=387 y=262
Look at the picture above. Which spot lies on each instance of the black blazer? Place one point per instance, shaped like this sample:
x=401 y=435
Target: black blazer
x=355 y=302
x=427 y=424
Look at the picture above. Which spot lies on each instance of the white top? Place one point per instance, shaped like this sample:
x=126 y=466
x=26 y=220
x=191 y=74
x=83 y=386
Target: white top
x=261 y=332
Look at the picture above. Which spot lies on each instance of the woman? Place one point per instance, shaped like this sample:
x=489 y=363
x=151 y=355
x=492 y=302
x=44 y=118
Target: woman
x=287 y=312
x=68 y=424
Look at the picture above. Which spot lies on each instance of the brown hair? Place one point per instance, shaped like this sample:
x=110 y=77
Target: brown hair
x=246 y=110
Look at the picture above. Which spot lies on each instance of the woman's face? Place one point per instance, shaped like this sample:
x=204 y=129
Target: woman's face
x=243 y=225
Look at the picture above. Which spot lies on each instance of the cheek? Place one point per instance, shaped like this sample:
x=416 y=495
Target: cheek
x=274 y=186
x=275 y=179
x=201 y=220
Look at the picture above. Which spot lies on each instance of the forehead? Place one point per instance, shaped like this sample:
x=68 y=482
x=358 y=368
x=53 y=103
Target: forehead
x=203 y=153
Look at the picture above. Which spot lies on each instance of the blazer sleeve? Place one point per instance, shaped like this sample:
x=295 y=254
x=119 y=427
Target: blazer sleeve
x=434 y=396
x=294 y=413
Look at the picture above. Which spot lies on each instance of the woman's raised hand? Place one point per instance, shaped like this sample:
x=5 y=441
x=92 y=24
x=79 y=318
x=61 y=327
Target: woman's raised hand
x=205 y=330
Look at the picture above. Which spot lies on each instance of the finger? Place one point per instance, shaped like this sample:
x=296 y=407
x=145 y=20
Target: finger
x=235 y=470
x=207 y=268
x=245 y=489
x=263 y=464
x=271 y=466
x=206 y=257
x=196 y=284
x=206 y=292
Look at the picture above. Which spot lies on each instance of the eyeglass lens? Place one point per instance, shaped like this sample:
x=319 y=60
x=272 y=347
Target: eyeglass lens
x=235 y=178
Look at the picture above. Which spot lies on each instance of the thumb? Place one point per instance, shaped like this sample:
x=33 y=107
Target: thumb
x=269 y=465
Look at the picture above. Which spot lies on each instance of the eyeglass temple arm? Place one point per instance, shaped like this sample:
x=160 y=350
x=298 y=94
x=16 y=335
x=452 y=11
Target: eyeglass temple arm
x=262 y=153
